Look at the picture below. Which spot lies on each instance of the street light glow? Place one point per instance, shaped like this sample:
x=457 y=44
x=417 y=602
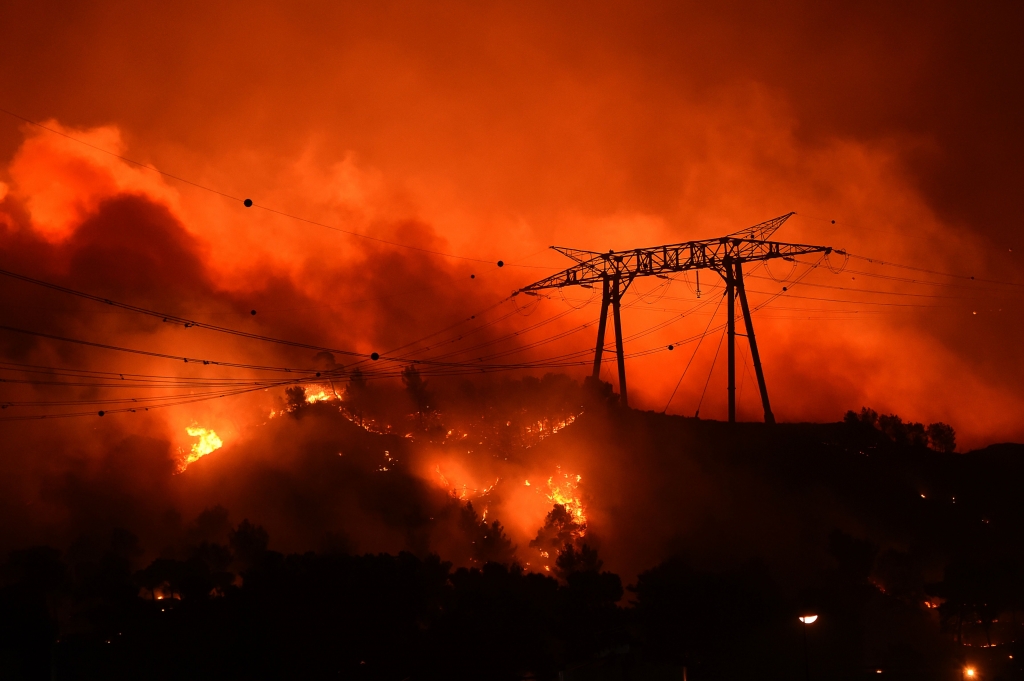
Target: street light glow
x=970 y=672
x=808 y=619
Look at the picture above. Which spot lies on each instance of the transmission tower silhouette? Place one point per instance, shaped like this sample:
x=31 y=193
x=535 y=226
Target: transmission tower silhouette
x=615 y=271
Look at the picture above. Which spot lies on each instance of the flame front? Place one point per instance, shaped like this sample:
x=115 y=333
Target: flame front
x=563 y=489
x=319 y=393
x=465 y=492
x=209 y=441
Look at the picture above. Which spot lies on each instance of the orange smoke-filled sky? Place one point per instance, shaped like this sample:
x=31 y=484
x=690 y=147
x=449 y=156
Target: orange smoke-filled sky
x=495 y=130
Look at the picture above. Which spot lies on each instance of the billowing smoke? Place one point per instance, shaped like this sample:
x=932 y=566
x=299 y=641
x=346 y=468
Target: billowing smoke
x=480 y=144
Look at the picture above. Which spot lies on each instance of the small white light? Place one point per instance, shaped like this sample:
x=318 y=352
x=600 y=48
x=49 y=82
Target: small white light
x=808 y=619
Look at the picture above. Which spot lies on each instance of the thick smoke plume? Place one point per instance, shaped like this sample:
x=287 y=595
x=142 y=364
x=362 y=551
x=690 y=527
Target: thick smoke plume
x=481 y=143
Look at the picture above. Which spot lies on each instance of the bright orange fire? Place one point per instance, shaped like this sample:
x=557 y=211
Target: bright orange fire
x=319 y=393
x=563 y=489
x=209 y=441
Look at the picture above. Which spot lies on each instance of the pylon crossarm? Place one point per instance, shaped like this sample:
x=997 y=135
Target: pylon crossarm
x=576 y=254
x=670 y=258
x=762 y=231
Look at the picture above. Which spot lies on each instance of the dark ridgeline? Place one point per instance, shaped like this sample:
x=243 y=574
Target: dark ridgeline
x=910 y=554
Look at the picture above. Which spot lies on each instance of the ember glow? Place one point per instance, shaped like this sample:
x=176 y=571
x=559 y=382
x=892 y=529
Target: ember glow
x=543 y=429
x=459 y=488
x=208 y=442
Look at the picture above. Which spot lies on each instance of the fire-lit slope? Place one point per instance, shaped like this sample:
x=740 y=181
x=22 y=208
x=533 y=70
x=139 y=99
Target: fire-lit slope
x=318 y=481
x=639 y=487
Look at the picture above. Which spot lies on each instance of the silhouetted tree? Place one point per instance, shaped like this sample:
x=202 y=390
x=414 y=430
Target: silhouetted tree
x=487 y=541
x=161 y=574
x=909 y=433
x=598 y=392
x=868 y=417
x=295 y=397
x=902 y=433
x=357 y=395
x=249 y=542
x=942 y=437
x=559 y=529
x=325 y=362
x=570 y=561
x=210 y=525
x=416 y=389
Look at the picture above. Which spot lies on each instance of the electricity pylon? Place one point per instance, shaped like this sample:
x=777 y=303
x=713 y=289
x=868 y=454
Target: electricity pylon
x=724 y=255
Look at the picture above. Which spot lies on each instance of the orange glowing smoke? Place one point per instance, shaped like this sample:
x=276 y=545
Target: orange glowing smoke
x=209 y=441
x=504 y=164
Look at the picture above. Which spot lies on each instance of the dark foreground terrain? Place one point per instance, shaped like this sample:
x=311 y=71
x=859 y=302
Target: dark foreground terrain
x=912 y=558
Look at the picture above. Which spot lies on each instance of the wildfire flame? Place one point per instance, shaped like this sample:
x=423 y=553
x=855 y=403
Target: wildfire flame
x=209 y=441
x=466 y=492
x=546 y=428
x=564 y=489
x=318 y=393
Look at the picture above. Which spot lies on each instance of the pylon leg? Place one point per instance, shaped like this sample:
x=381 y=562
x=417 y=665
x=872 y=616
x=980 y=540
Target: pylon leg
x=616 y=298
x=730 y=283
x=769 y=417
x=601 y=325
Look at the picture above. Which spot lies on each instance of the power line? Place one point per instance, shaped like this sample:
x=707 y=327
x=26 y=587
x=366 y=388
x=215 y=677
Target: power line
x=708 y=382
x=187 y=323
x=174 y=319
x=876 y=261
x=185 y=359
x=857 y=302
x=433 y=368
x=122 y=410
x=868 y=291
x=687 y=367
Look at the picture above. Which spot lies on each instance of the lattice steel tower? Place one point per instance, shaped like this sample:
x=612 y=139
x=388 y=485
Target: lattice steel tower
x=615 y=271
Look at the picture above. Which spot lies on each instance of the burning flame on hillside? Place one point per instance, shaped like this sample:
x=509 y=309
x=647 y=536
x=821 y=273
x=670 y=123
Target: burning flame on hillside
x=566 y=522
x=465 y=492
x=319 y=393
x=563 y=489
x=209 y=441
x=546 y=428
